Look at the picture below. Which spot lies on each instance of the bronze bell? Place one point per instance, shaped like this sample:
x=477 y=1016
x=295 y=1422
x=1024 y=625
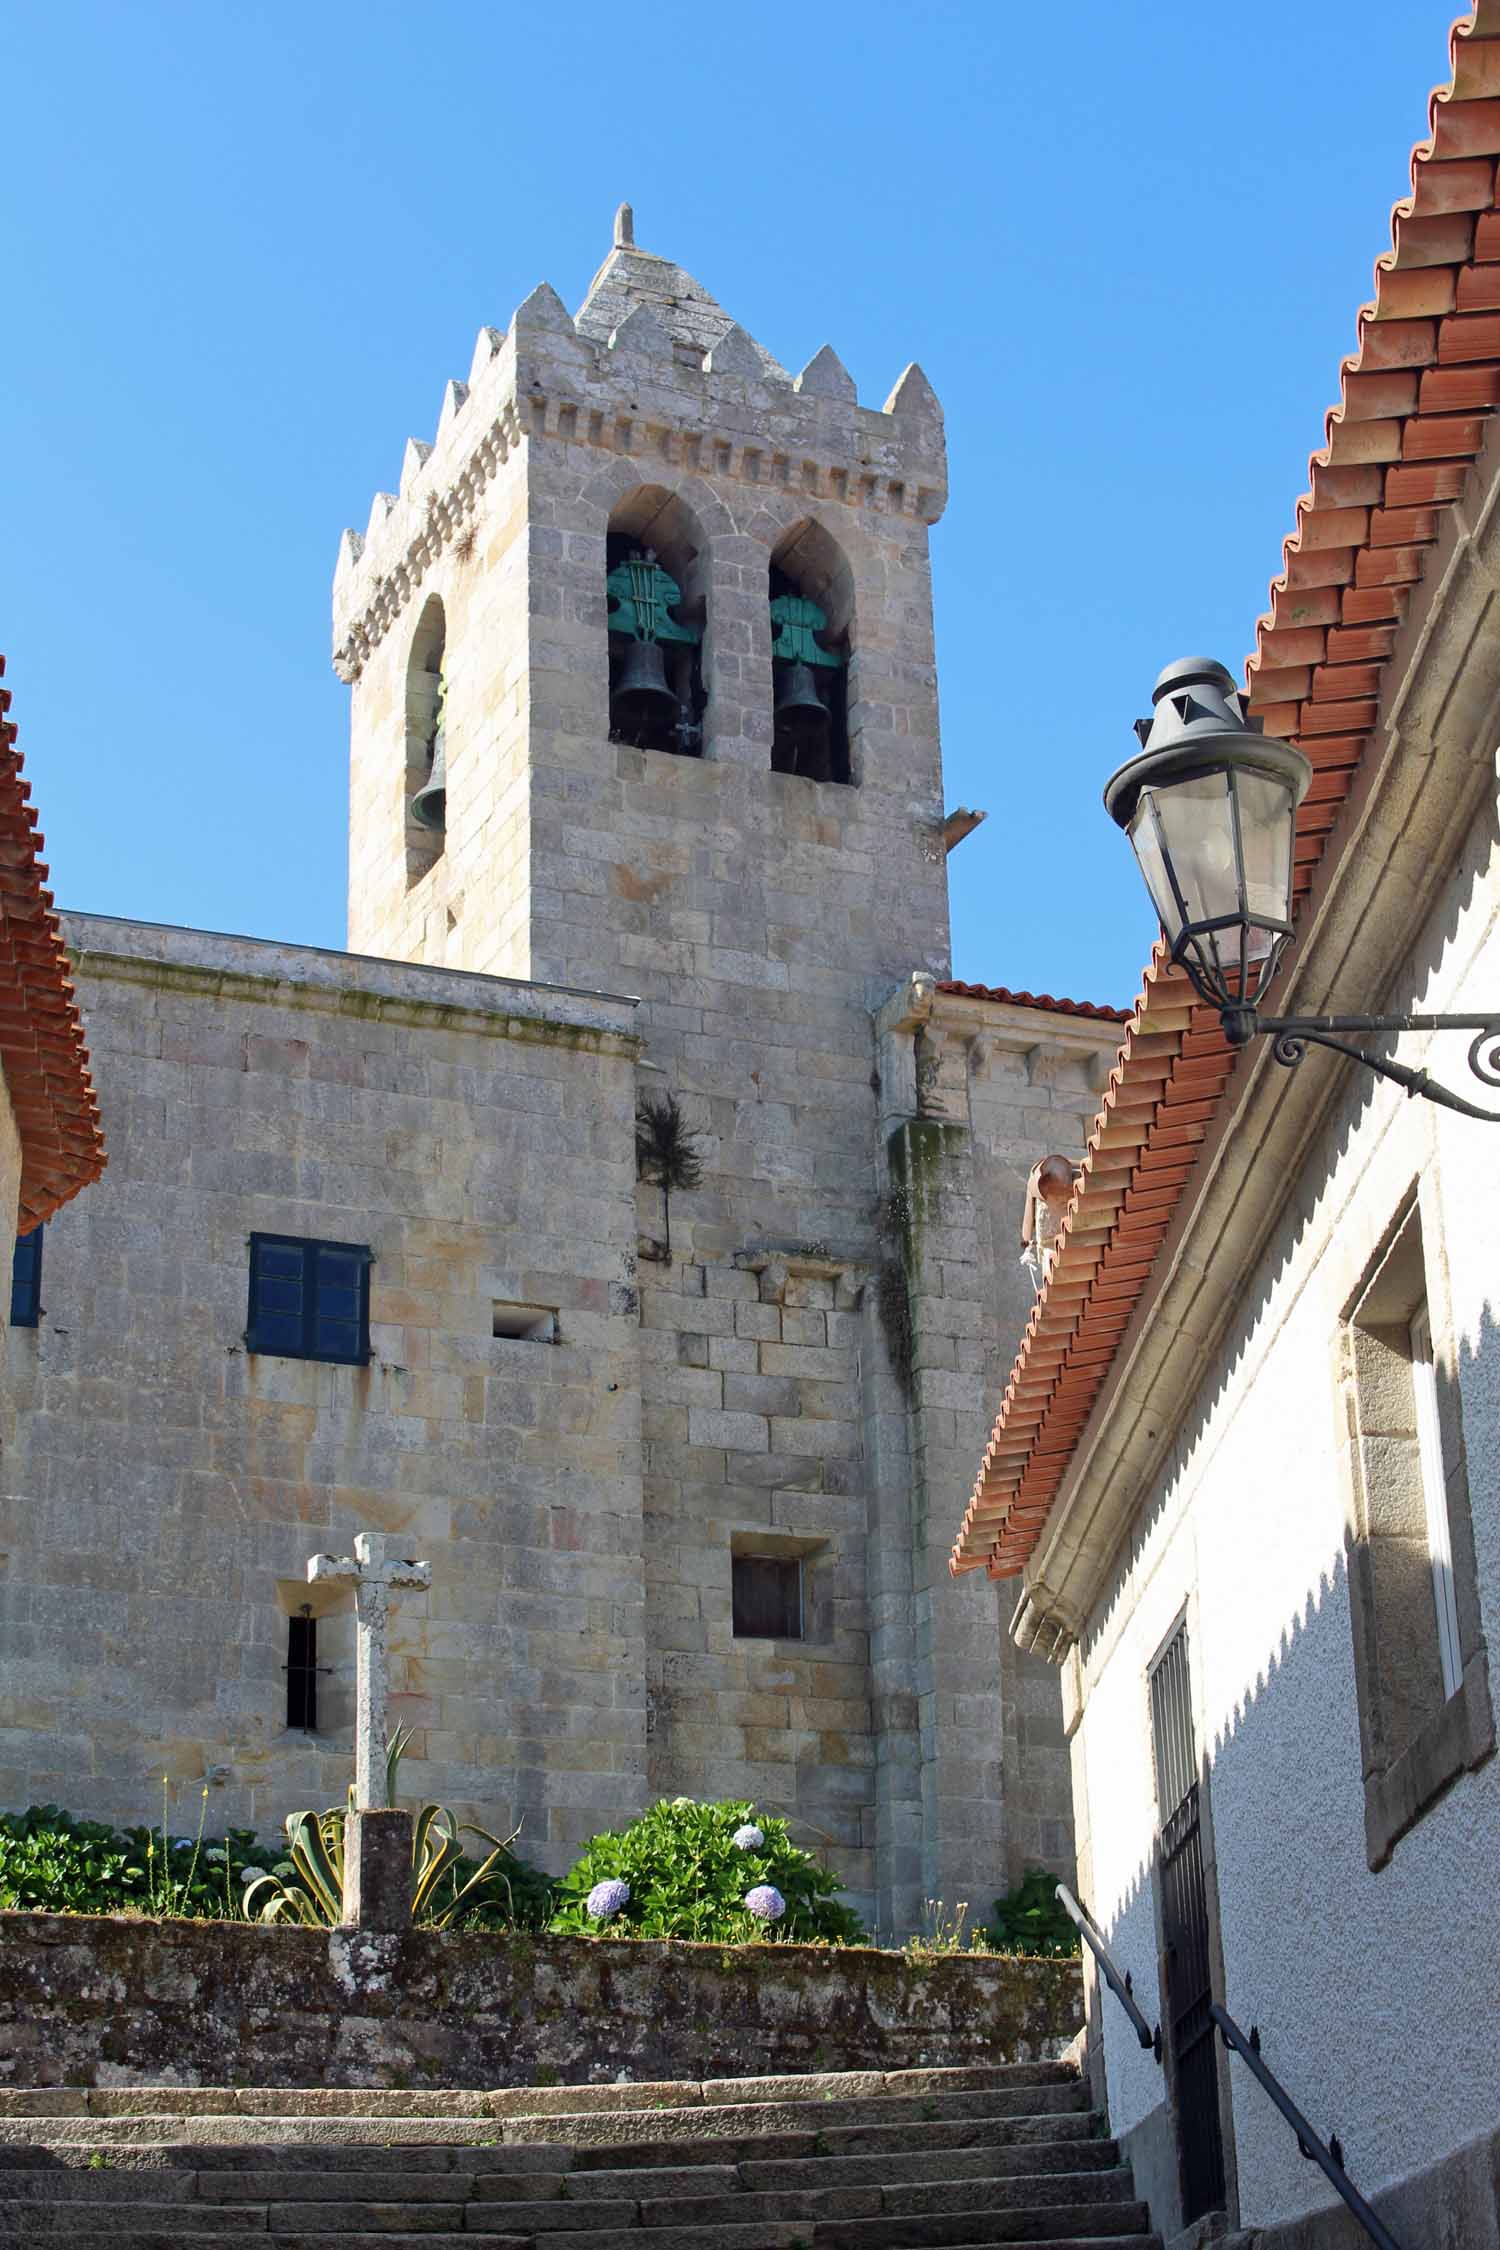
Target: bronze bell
x=429 y=807
x=641 y=697
x=802 y=717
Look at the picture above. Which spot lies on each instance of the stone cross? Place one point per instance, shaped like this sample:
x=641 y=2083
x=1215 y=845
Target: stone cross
x=377 y=1564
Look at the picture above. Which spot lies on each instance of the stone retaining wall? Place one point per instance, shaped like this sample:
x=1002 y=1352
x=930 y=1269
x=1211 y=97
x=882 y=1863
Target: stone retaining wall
x=105 y=2001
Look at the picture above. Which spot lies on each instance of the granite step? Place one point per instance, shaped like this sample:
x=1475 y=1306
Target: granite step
x=137 y=2237
x=519 y=2101
x=601 y=2129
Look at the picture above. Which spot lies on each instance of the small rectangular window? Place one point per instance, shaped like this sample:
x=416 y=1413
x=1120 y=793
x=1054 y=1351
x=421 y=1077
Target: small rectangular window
x=767 y=1597
x=1435 y=1495
x=309 y=1300
x=1421 y=1678
x=302 y=1673
x=529 y=1324
x=26 y=1280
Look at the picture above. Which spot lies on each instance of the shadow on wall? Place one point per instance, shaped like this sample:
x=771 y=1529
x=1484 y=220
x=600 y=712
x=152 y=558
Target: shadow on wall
x=1356 y=1978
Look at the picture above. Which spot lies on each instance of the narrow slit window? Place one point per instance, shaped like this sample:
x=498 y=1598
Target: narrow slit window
x=302 y=1673
x=767 y=1597
x=26 y=1280
x=1435 y=1496
x=309 y=1300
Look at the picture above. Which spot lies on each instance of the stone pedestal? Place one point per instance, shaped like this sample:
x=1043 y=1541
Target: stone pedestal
x=377 y=1870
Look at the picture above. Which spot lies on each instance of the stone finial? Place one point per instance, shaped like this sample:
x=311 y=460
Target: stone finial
x=454 y=395
x=415 y=459
x=380 y=508
x=351 y=547
x=914 y=398
x=543 y=309
x=641 y=331
x=486 y=344
x=624 y=228
x=733 y=354
x=826 y=376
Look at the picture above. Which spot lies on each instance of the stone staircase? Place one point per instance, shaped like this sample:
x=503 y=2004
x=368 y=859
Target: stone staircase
x=900 y=2160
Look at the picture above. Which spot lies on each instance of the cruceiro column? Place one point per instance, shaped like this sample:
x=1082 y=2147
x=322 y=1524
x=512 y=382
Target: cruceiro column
x=377 y=1839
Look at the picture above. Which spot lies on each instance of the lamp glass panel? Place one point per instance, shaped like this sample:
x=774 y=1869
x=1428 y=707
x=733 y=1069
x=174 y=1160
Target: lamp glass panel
x=1145 y=837
x=1197 y=826
x=1268 y=819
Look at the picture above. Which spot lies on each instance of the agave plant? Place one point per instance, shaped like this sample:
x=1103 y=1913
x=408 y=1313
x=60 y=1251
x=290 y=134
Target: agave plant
x=310 y=1889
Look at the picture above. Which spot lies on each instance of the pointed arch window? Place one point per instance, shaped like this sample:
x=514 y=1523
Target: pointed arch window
x=811 y=597
x=426 y=775
x=654 y=583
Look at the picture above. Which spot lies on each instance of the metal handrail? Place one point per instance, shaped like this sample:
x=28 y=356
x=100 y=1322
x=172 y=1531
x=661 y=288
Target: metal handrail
x=1329 y=2160
x=1148 y=2035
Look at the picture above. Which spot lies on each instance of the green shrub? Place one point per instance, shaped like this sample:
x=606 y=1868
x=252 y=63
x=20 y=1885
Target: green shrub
x=1030 y=1919
x=689 y=1879
x=51 y=1863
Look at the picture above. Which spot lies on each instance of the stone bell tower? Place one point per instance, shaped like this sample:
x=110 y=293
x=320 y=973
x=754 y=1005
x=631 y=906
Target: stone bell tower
x=644 y=702
x=651 y=424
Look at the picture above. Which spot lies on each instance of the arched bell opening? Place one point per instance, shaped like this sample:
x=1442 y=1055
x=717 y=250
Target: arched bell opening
x=812 y=615
x=425 y=784
x=656 y=579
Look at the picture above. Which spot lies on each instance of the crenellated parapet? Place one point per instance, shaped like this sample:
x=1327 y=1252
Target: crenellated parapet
x=654 y=370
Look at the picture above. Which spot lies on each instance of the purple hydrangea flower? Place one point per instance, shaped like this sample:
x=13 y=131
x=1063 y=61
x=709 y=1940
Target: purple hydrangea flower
x=608 y=1898
x=765 y=1903
x=749 y=1838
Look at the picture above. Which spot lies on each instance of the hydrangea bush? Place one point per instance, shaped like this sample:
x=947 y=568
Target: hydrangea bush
x=722 y=1873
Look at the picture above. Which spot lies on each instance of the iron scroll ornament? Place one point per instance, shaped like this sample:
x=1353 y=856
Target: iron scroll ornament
x=1291 y=1037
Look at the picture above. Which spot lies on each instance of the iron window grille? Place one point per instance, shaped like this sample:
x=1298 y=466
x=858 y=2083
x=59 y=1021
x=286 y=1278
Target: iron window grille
x=309 y=1300
x=26 y=1280
x=301 y=1670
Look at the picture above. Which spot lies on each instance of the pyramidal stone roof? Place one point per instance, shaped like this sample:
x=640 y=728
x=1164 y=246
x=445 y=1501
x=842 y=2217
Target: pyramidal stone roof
x=630 y=278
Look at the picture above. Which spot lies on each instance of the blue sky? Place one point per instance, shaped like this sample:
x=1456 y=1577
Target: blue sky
x=245 y=247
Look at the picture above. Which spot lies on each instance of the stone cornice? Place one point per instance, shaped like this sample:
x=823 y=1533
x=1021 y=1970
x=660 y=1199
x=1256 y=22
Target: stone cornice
x=349 y=984
x=1377 y=885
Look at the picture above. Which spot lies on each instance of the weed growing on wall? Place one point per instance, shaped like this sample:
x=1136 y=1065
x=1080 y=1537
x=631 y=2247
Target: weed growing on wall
x=717 y=1872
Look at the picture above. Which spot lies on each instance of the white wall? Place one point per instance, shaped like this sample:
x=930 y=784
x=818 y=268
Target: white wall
x=1374 y=1992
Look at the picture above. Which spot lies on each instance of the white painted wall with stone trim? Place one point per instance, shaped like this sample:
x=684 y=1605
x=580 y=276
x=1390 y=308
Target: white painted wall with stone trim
x=1369 y=1985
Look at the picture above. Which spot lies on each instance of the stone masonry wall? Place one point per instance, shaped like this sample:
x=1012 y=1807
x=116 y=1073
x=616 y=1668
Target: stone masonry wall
x=166 y=1486
x=98 y=2002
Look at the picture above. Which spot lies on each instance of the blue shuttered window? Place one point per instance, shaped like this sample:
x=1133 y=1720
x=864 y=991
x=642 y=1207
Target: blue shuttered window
x=26 y=1280
x=309 y=1300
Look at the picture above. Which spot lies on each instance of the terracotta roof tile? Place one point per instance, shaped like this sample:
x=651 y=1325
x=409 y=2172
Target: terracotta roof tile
x=42 y=1053
x=1418 y=390
x=1034 y=1000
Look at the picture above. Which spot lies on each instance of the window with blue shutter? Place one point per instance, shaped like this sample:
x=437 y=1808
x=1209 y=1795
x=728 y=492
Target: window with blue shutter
x=26 y=1280
x=309 y=1300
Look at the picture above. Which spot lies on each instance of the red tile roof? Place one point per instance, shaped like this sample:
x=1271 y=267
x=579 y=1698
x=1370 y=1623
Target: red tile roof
x=1414 y=401
x=1035 y=1000
x=42 y=1054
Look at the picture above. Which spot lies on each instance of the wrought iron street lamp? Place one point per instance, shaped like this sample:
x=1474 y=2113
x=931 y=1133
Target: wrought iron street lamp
x=1210 y=807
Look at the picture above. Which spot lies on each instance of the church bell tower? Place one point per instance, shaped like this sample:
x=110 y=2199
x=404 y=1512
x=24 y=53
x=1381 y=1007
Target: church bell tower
x=647 y=604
